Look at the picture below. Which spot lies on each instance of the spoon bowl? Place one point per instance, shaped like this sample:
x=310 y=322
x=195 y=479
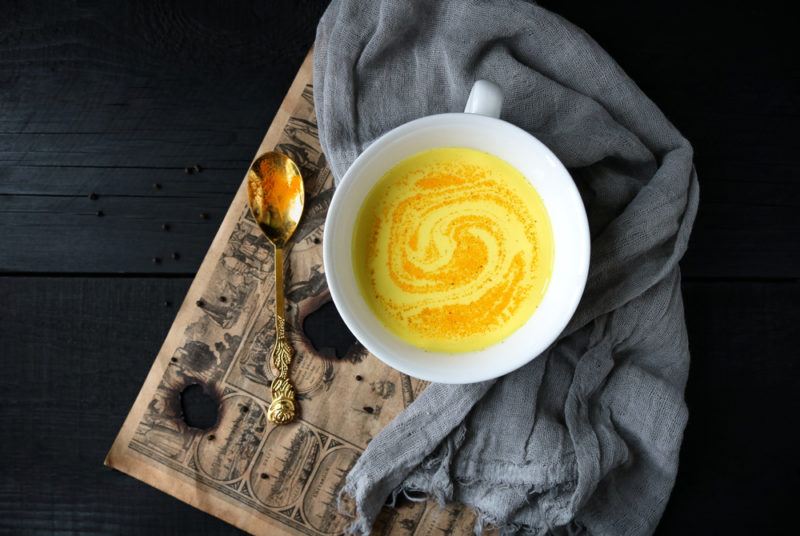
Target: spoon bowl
x=276 y=196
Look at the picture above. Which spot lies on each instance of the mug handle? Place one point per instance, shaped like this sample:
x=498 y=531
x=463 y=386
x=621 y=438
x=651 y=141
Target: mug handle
x=486 y=98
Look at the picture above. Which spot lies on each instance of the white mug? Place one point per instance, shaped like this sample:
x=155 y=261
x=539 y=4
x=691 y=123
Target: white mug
x=479 y=127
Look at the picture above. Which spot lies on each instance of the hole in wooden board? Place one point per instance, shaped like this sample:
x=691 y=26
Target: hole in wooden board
x=327 y=332
x=200 y=409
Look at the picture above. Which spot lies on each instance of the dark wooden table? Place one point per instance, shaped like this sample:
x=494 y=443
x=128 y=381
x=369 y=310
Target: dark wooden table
x=104 y=106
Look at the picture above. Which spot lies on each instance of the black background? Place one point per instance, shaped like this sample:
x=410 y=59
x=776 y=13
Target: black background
x=115 y=97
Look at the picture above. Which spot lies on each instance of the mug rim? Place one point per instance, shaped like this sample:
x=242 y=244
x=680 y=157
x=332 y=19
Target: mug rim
x=370 y=340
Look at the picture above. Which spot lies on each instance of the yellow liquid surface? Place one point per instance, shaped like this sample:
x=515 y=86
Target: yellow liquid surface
x=453 y=249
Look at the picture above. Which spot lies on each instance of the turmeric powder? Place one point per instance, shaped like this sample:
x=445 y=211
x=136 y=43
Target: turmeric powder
x=453 y=249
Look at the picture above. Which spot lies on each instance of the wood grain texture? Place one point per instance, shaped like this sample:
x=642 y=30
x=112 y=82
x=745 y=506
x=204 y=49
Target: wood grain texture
x=75 y=351
x=112 y=97
x=142 y=84
x=738 y=462
x=146 y=214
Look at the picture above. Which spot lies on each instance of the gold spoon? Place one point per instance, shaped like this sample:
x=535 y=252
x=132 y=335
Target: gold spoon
x=276 y=195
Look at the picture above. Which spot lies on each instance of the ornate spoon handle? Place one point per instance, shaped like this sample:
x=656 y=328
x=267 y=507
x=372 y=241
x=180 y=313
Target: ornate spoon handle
x=282 y=408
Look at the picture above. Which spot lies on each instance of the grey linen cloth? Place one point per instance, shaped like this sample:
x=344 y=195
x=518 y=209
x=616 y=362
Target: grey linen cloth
x=585 y=438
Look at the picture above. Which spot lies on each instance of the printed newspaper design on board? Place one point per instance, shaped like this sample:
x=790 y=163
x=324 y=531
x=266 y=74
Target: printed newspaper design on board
x=263 y=478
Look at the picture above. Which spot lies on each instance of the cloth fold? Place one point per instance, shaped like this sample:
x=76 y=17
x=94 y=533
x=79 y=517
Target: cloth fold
x=585 y=438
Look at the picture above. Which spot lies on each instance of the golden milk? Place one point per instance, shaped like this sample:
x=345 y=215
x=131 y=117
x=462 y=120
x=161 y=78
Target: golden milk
x=453 y=249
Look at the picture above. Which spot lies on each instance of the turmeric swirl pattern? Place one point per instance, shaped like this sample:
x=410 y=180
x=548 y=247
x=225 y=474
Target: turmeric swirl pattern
x=453 y=249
